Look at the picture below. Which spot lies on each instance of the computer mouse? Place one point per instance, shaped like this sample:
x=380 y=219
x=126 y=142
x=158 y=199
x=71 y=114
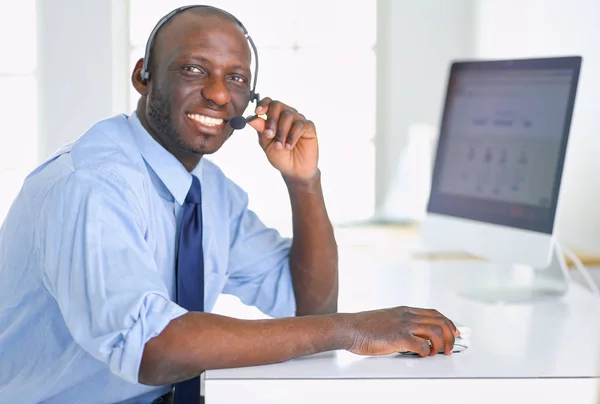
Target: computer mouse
x=460 y=343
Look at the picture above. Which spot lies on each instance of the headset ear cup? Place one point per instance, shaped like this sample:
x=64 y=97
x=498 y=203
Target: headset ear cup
x=144 y=75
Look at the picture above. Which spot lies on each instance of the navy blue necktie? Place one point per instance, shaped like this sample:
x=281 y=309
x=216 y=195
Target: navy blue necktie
x=190 y=276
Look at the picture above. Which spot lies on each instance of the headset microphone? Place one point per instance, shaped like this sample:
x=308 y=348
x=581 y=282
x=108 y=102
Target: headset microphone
x=239 y=122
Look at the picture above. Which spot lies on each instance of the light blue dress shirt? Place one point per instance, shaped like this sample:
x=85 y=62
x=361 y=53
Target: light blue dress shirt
x=87 y=261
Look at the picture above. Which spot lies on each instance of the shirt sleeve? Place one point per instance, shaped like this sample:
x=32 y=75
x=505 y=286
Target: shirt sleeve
x=98 y=267
x=259 y=270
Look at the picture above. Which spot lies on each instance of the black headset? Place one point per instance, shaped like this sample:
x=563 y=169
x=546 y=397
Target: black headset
x=145 y=74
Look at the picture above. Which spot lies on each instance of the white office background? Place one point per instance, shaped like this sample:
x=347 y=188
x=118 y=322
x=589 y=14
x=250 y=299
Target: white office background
x=310 y=61
x=18 y=98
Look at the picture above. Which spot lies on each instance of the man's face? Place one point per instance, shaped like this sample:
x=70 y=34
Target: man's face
x=199 y=79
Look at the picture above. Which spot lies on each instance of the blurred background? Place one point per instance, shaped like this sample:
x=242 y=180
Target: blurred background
x=370 y=74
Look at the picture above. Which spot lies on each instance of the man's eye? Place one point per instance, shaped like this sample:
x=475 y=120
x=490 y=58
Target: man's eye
x=193 y=69
x=239 y=79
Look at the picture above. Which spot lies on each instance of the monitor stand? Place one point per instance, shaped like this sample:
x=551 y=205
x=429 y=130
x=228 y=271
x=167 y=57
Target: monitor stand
x=547 y=283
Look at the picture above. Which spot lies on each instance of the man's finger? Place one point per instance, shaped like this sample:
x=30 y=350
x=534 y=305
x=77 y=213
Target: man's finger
x=286 y=119
x=295 y=134
x=257 y=123
x=446 y=329
x=433 y=333
x=419 y=346
x=275 y=108
x=434 y=313
x=263 y=106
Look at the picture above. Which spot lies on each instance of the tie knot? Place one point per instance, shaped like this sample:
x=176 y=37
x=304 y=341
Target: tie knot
x=195 y=193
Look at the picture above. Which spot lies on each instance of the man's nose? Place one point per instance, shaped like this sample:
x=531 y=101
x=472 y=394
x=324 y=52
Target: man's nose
x=216 y=90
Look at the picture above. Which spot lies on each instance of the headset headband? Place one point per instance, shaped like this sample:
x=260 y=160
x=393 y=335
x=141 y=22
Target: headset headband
x=145 y=74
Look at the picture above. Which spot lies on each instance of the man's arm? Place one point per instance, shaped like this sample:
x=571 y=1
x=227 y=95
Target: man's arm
x=313 y=255
x=290 y=144
x=195 y=342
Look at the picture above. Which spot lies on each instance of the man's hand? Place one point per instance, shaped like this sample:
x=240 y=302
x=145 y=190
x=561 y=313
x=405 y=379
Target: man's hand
x=401 y=329
x=288 y=139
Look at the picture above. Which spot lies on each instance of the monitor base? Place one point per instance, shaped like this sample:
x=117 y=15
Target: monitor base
x=551 y=282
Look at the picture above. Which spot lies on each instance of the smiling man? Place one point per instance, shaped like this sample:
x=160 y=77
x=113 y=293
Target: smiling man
x=115 y=250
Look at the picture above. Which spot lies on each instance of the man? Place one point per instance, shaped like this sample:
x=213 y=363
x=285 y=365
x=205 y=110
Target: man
x=91 y=256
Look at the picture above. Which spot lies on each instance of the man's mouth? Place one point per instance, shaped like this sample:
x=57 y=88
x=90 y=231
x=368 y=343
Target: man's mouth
x=207 y=121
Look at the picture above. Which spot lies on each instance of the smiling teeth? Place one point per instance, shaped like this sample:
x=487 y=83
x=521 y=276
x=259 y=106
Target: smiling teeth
x=205 y=120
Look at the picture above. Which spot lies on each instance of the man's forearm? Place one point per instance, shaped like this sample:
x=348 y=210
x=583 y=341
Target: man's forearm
x=196 y=342
x=313 y=256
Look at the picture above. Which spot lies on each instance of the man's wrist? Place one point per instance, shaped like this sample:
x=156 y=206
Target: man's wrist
x=309 y=184
x=341 y=331
x=344 y=330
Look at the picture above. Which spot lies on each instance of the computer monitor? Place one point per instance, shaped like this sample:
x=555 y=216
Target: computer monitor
x=499 y=160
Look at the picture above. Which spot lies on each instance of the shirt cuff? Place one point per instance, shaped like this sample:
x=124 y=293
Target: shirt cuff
x=155 y=314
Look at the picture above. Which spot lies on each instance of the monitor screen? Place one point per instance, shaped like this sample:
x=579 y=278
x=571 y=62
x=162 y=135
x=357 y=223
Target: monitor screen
x=502 y=141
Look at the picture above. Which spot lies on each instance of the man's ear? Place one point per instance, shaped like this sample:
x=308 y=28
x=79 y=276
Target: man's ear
x=136 y=78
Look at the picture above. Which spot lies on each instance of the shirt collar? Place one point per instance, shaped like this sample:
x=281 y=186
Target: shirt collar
x=170 y=171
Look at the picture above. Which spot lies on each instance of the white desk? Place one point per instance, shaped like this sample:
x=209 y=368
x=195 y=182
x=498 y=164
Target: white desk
x=544 y=352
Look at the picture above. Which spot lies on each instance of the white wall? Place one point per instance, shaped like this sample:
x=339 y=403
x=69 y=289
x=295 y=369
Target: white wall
x=527 y=28
x=80 y=78
x=416 y=41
